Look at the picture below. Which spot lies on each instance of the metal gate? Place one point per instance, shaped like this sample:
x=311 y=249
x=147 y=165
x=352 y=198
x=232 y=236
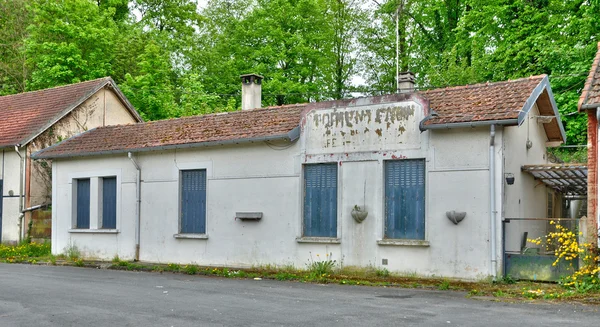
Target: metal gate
x=193 y=201
x=405 y=199
x=320 y=200
x=527 y=261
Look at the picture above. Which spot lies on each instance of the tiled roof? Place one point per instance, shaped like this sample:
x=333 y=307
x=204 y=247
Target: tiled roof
x=591 y=91
x=481 y=102
x=24 y=115
x=221 y=128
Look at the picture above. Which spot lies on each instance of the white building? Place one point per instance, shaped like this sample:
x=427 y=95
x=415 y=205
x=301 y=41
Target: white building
x=278 y=185
x=31 y=121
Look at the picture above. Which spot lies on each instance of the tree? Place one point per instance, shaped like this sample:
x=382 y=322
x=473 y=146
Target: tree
x=69 y=41
x=151 y=91
x=14 y=19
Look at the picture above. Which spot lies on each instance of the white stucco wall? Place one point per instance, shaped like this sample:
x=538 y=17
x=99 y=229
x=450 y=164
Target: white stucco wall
x=9 y=173
x=526 y=198
x=268 y=179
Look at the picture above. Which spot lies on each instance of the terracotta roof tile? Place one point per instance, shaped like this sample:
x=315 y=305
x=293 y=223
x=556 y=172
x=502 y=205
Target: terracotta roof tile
x=25 y=114
x=172 y=133
x=481 y=102
x=591 y=90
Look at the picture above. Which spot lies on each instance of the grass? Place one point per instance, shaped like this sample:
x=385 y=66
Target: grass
x=24 y=252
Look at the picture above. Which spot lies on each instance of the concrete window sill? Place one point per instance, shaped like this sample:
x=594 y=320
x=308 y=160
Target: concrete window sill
x=398 y=242
x=94 y=231
x=191 y=236
x=322 y=240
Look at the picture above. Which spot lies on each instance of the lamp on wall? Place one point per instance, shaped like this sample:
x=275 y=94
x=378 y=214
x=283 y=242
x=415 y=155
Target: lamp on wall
x=510 y=178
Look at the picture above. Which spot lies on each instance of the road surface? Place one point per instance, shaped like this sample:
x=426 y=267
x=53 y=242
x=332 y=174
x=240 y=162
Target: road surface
x=67 y=296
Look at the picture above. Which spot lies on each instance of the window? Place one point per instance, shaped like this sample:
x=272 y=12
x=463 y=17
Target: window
x=95 y=203
x=193 y=201
x=550 y=205
x=320 y=200
x=83 y=204
x=109 y=202
x=405 y=199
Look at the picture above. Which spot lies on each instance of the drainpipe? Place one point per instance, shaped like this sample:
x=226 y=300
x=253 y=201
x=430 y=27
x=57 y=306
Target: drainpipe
x=21 y=186
x=492 y=203
x=138 y=202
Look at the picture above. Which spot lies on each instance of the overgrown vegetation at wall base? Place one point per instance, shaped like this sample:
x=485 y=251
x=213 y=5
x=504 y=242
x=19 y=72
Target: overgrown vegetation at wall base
x=567 y=248
x=24 y=252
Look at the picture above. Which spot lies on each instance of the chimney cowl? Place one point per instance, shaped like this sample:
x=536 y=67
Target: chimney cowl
x=251 y=91
x=406 y=82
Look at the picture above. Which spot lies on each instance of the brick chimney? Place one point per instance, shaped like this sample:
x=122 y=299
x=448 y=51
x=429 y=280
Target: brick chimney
x=406 y=82
x=251 y=91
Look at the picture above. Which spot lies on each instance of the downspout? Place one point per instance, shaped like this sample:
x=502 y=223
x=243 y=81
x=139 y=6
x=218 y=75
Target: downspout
x=492 y=203
x=138 y=202
x=21 y=197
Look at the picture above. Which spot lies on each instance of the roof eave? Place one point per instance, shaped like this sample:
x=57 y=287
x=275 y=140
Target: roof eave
x=544 y=85
x=291 y=136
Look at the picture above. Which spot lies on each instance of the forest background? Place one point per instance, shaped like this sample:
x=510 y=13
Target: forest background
x=175 y=58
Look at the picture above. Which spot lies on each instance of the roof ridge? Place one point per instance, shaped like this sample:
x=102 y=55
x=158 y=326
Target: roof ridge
x=151 y=122
x=486 y=84
x=108 y=78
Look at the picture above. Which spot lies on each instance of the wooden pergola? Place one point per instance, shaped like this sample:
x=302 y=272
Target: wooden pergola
x=568 y=178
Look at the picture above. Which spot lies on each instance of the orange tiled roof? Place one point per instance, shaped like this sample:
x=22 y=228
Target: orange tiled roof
x=480 y=102
x=591 y=90
x=24 y=115
x=272 y=122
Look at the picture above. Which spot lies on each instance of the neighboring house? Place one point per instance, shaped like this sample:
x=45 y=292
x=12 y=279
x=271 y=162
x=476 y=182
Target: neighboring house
x=34 y=120
x=279 y=185
x=590 y=102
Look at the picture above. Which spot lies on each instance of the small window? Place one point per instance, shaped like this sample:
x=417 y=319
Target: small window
x=405 y=199
x=83 y=204
x=193 y=202
x=550 y=205
x=320 y=200
x=109 y=202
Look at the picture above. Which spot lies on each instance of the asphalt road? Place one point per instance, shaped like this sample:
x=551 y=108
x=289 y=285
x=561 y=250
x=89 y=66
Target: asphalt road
x=68 y=296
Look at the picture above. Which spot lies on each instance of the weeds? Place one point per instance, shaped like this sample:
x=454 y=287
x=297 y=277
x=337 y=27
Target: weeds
x=24 y=252
x=190 y=269
x=444 y=285
x=383 y=272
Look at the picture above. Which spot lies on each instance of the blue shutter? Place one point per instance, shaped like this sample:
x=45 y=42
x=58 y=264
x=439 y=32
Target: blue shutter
x=83 y=203
x=320 y=200
x=193 y=201
x=109 y=202
x=405 y=199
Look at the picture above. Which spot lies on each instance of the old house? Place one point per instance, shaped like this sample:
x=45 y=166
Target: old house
x=590 y=103
x=416 y=182
x=35 y=120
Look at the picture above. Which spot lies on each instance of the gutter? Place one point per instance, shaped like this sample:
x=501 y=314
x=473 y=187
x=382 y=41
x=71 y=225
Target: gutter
x=423 y=127
x=138 y=202
x=590 y=106
x=292 y=136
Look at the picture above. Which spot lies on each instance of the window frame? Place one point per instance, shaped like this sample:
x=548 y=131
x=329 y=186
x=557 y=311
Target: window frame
x=96 y=201
x=180 y=232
